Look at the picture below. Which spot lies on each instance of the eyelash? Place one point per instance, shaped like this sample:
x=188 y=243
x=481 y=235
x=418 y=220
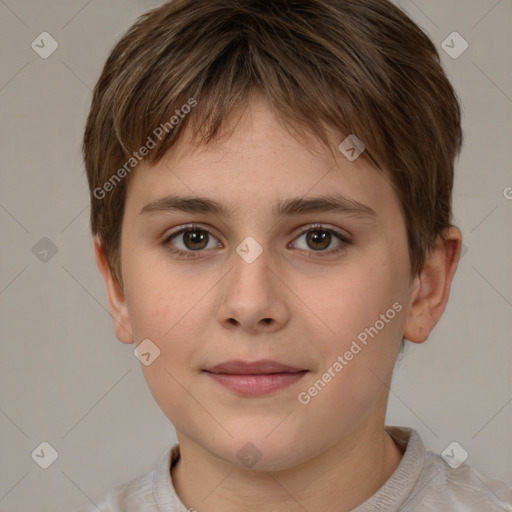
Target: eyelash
x=317 y=227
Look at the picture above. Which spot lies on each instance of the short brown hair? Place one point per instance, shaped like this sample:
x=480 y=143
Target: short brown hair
x=360 y=67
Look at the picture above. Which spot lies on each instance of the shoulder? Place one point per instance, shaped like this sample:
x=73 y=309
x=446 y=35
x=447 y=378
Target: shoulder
x=424 y=482
x=133 y=495
x=442 y=487
x=140 y=494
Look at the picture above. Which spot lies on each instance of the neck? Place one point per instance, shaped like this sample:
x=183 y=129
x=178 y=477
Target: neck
x=339 y=479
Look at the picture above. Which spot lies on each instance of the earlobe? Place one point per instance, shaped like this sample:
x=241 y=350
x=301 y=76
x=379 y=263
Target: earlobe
x=431 y=289
x=115 y=295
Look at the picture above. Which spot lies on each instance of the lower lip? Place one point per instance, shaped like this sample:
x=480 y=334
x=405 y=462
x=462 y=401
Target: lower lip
x=256 y=384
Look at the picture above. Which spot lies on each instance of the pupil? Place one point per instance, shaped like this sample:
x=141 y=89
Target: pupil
x=322 y=237
x=194 y=240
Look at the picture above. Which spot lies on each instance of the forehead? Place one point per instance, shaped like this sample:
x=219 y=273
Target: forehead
x=258 y=162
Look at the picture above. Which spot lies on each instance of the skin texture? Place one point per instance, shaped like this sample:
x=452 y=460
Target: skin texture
x=291 y=304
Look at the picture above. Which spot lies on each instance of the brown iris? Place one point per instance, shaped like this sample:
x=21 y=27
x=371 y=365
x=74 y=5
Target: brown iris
x=196 y=239
x=318 y=239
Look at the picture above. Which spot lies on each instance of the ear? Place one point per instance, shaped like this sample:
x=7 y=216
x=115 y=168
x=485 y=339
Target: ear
x=115 y=294
x=431 y=288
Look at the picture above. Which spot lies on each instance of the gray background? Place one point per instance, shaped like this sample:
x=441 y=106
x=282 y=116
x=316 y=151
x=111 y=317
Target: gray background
x=66 y=380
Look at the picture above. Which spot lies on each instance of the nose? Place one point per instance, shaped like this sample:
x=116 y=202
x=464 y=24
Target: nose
x=253 y=297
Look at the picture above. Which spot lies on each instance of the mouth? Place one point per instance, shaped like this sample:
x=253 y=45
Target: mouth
x=255 y=378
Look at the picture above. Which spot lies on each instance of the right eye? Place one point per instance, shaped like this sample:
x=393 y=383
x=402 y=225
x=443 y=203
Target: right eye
x=189 y=240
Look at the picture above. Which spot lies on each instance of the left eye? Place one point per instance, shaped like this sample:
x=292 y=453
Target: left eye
x=319 y=239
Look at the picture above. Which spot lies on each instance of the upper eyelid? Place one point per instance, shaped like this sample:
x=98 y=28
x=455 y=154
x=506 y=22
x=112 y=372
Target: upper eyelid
x=188 y=227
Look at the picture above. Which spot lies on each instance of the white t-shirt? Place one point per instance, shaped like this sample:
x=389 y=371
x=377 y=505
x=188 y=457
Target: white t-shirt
x=423 y=482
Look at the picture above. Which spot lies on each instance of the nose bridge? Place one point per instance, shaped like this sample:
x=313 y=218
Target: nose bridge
x=251 y=281
x=253 y=296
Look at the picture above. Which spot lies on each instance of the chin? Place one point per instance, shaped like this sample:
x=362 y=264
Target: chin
x=259 y=451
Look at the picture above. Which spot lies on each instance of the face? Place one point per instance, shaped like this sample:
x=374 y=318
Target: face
x=315 y=296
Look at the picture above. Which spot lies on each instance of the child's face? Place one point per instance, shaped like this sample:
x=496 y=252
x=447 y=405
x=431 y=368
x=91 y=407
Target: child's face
x=295 y=305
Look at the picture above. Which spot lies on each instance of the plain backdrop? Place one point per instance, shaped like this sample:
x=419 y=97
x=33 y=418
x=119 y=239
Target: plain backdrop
x=67 y=381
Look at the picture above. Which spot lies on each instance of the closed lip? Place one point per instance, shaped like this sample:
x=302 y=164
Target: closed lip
x=261 y=367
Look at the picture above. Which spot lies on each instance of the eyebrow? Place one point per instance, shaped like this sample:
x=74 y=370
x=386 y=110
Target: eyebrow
x=284 y=208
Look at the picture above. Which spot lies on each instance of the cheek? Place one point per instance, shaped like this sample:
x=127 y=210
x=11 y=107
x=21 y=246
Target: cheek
x=168 y=384
x=162 y=310
x=365 y=315
x=354 y=299
x=355 y=374
x=159 y=299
